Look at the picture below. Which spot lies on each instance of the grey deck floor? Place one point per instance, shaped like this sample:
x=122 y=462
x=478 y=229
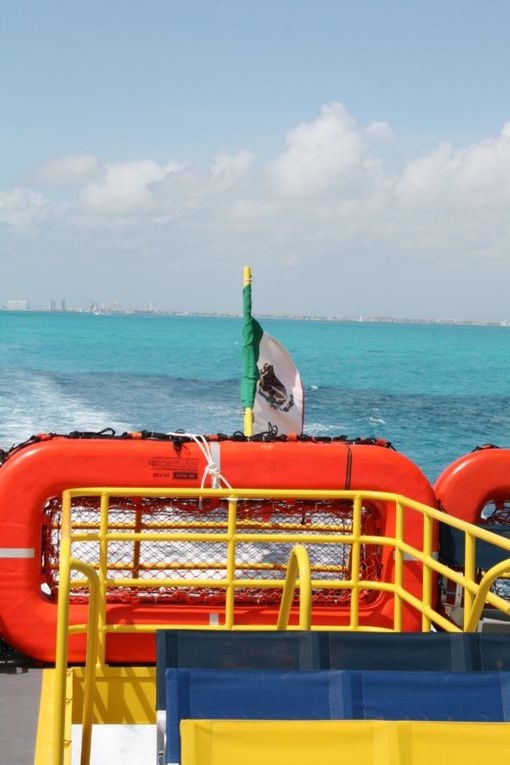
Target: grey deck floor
x=20 y=688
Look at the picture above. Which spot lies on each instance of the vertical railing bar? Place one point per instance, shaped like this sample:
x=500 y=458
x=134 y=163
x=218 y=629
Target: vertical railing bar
x=428 y=536
x=231 y=563
x=355 y=561
x=469 y=573
x=103 y=575
x=137 y=543
x=399 y=567
x=59 y=742
x=305 y=590
x=484 y=586
x=90 y=661
x=298 y=565
x=289 y=587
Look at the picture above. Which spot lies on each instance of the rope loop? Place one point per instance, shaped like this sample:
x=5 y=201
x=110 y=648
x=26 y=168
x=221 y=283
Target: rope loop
x=211 y=469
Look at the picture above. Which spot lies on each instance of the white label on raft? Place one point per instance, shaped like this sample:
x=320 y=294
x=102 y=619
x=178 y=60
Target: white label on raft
x=216 y=458
x=17 y=552
x=408 y=556
x=214 y=620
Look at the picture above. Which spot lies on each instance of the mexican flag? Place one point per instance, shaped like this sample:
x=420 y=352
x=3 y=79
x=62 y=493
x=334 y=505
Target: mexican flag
x=271 y=384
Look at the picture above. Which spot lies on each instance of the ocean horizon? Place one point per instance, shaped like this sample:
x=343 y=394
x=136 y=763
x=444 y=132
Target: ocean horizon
x=262 y=316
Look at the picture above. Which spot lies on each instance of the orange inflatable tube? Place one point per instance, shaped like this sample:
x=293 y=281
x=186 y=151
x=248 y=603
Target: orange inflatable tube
x=40 y=471
x=466 y=486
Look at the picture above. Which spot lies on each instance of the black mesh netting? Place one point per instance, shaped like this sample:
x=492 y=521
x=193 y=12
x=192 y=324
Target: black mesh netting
x=496 y=513
x=190 y=561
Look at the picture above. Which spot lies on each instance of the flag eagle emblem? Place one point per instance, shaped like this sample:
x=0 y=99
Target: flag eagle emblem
x=273 y=390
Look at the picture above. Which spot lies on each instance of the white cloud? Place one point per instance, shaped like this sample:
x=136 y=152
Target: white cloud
x=379 y=131
x=228 y=169
x=319 y=153
x=422 y=178
x=123 y=188
x=333 y=198
x=330 y=172
x=22 y=208
x=464 y=179
x=130 y=192
x=73 y=170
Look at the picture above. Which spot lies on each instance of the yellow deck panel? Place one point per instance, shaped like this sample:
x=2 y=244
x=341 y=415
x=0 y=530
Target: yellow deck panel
x=229 y=742
x=123 y=695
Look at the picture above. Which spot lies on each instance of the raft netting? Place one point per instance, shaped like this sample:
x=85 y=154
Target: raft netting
x=188 y=561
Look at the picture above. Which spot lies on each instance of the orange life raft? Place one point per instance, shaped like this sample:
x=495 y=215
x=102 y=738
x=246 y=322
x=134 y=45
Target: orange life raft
x=34 y=477
x=470 y=483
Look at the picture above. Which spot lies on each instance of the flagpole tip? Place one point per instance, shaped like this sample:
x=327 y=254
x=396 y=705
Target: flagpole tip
x=247 y=275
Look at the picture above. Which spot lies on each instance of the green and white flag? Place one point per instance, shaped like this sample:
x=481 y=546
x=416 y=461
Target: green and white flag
x=271 y=384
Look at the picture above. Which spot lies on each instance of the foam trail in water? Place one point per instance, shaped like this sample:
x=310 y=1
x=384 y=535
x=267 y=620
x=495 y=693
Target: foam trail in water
x=34 y=403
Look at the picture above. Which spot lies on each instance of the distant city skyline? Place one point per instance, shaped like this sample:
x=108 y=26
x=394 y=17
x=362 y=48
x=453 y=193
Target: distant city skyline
x=116 y=308
x=356 y=155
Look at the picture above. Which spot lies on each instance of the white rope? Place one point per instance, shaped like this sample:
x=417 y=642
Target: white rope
x=211 y=469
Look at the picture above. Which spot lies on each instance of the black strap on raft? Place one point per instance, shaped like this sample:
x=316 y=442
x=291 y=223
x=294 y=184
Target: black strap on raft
x=270 y=435
x=105 y=433
x=483 y=447
x=348 y=469
x=4 y=455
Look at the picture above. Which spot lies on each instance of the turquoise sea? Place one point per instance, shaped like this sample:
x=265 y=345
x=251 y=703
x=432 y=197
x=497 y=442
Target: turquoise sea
x=434 y=391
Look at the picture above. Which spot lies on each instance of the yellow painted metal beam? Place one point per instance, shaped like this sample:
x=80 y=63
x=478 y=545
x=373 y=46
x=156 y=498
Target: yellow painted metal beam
x=44 y=745
x=59 y=709
x=298 y=566
x=207 y=742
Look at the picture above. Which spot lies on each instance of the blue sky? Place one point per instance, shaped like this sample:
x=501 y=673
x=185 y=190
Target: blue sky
x=360 y=144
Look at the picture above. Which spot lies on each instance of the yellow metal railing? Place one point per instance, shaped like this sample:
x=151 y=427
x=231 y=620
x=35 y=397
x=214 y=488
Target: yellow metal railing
x=61 y=662
x=298 y=572
x=298 y=566
x=234 y=534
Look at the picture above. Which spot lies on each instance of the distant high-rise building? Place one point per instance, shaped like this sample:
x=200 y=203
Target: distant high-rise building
x=149 y=307
x=18 y=305
x=52 y=305
x=63 y=305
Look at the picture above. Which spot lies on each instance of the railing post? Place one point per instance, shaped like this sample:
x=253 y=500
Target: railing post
x=90 y=662
x=472 y=617
x=399 y=567
x=299 y=564
x=103 y=575
x=231 y=563
x=355 y=561
x=64 y=577
x=469 y=573
x=136 y=544
x=428 y=536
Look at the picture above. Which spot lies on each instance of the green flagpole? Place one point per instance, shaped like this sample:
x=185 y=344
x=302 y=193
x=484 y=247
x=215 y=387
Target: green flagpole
x=252 y=335
x=247 y=352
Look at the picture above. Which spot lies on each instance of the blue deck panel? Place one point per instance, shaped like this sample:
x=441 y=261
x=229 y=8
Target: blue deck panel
x=198 y=649
x=441 y=696
x=332 y=695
